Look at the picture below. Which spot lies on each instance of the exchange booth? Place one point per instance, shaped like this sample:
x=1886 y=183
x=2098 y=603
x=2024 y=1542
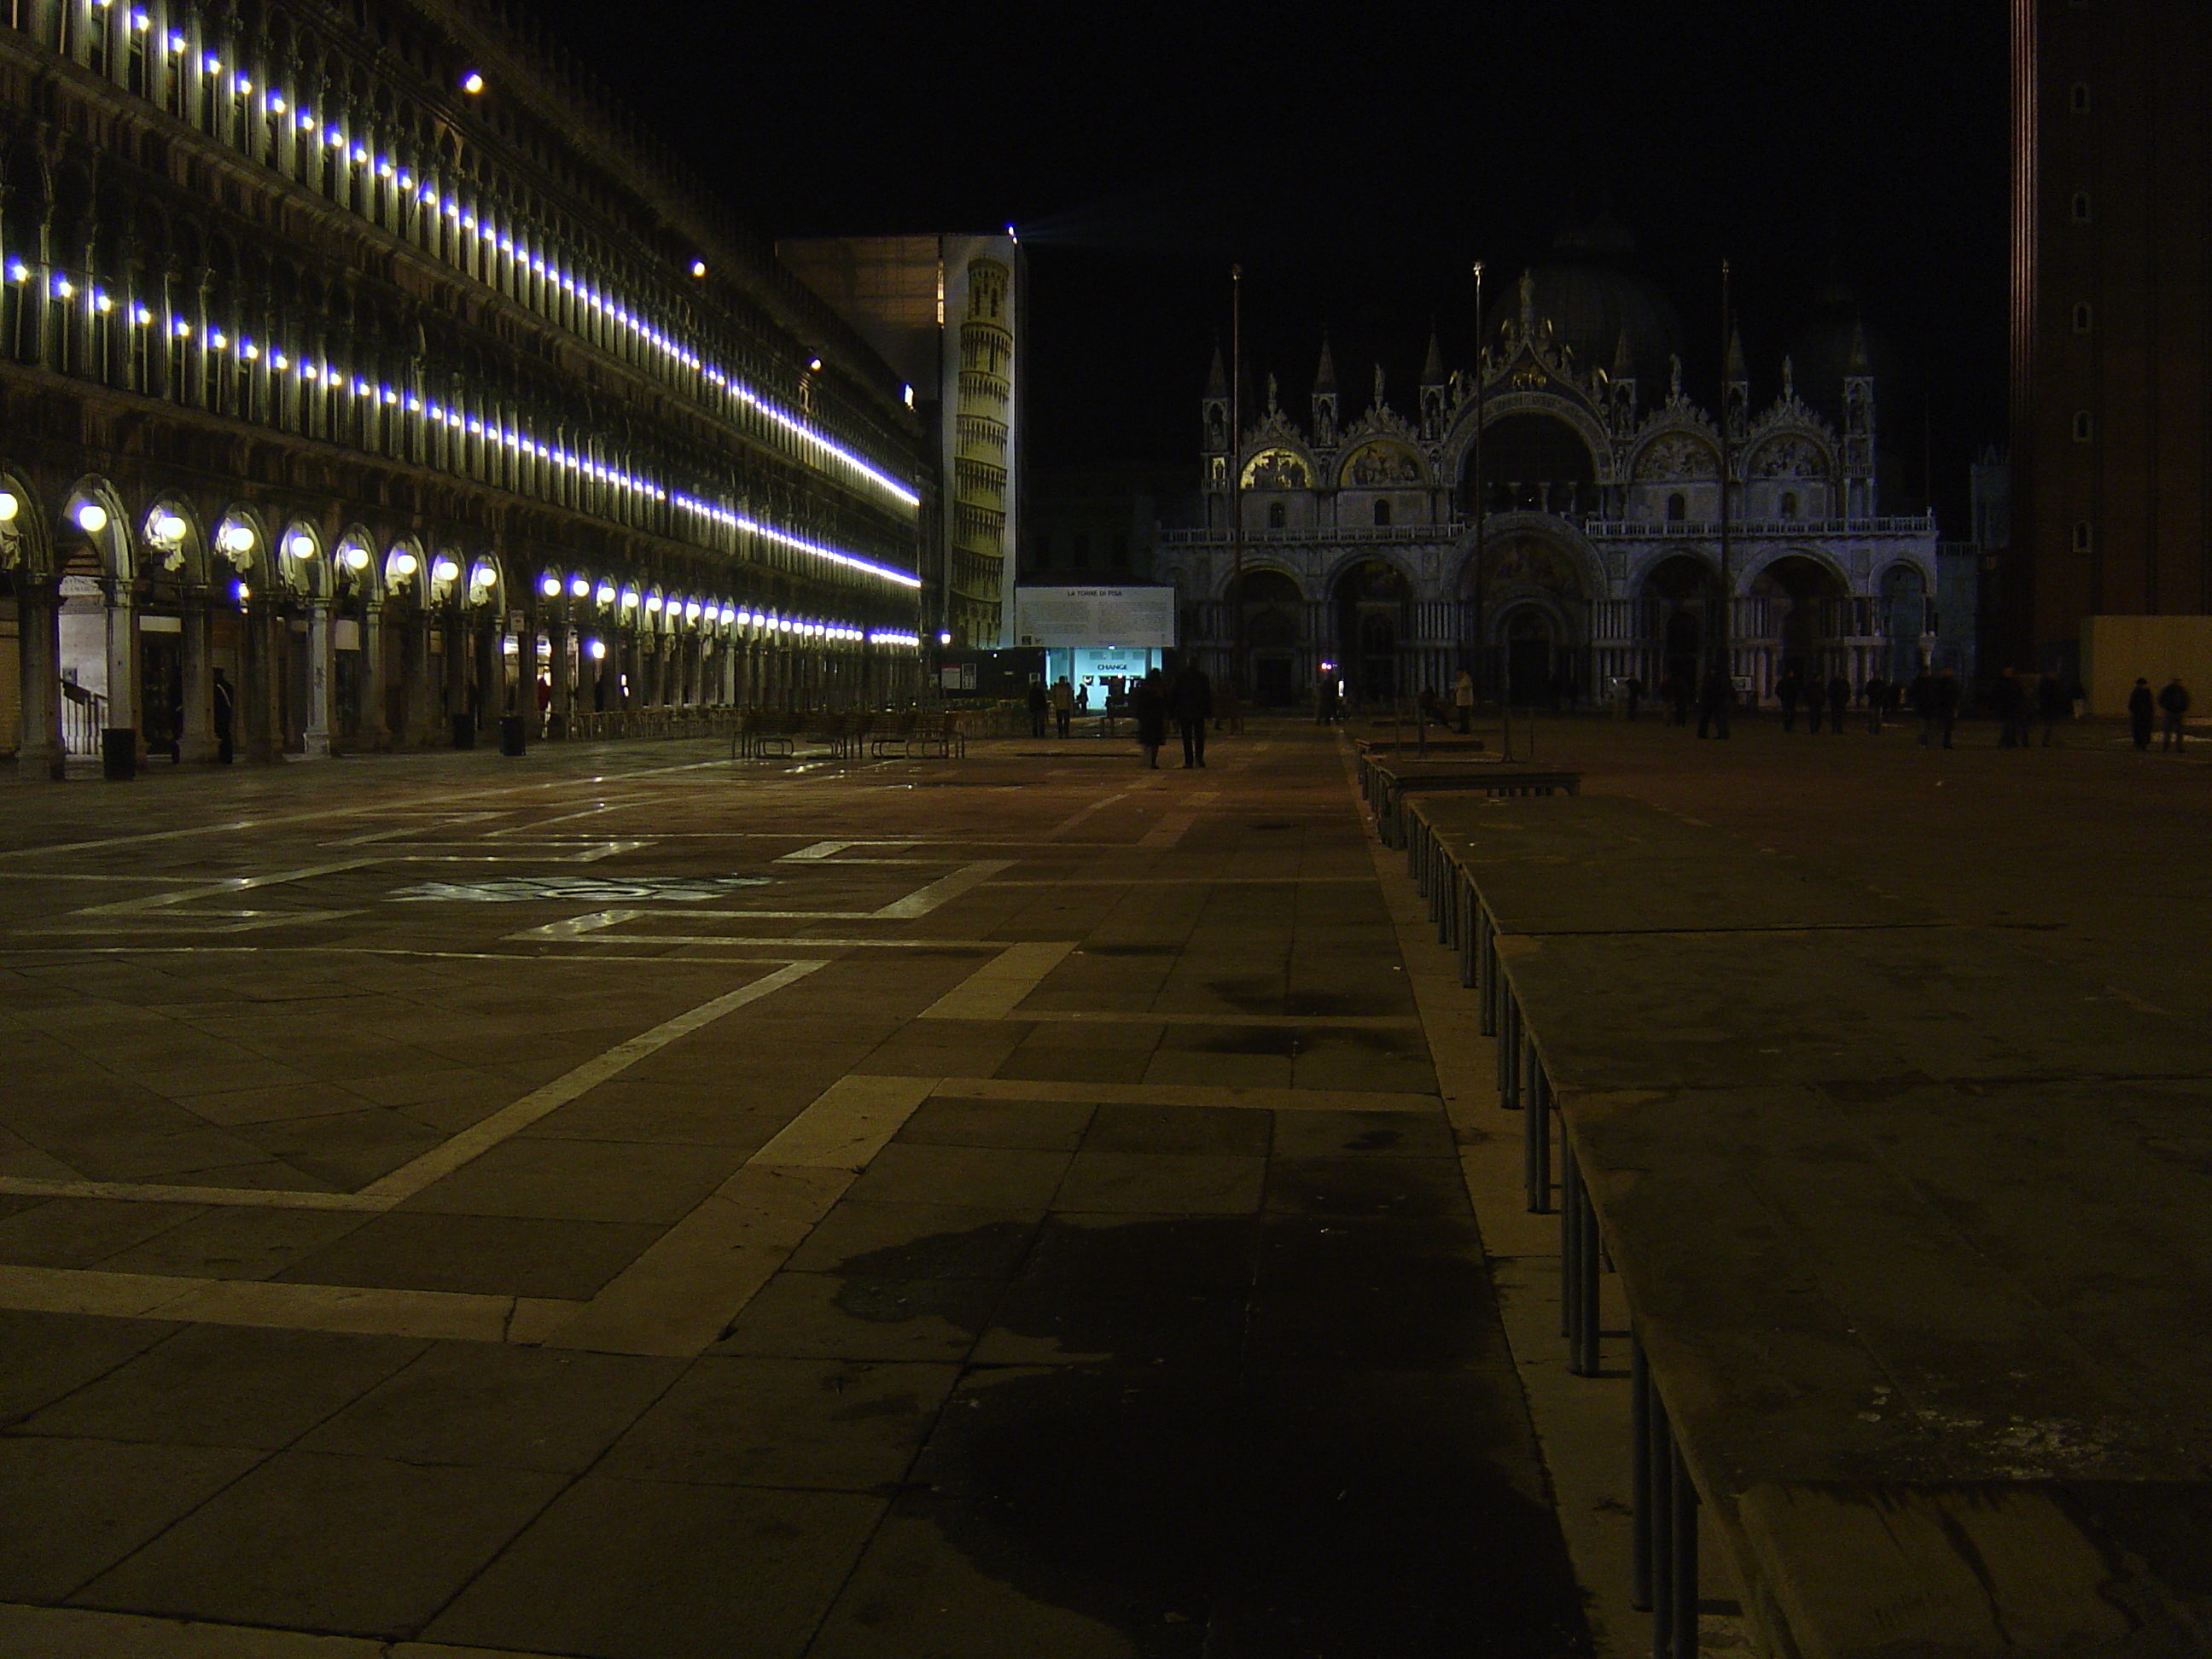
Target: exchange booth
x=1095 y=636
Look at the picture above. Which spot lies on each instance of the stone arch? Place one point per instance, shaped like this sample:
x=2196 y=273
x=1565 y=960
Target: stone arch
x=405 y=570
x=299 y=561
x=1382 y=463
x=25 y=533
x=1458 y=453
x=1802 y=597
x=354 y=567
x=92 y=515
x=1502 y=528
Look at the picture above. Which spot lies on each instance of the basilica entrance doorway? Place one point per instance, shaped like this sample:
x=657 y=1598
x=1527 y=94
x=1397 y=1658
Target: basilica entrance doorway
x=1530 y=671
x=1370 y=603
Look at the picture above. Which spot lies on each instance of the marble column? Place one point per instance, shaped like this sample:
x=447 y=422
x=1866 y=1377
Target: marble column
x=38 y=611
x=368 y=681
x=198 y=741
x=123 y=661
x=561 y=638
x=415 y=703
x=255 y=715
x=316 y=734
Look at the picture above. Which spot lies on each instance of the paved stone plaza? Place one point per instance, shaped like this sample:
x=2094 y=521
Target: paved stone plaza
x=621 y=1203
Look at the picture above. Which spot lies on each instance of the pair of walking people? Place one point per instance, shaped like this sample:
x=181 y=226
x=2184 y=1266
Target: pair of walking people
x=1187 y=699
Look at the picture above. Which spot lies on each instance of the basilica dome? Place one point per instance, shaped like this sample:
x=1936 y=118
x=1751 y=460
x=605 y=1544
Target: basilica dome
x=1590 y=298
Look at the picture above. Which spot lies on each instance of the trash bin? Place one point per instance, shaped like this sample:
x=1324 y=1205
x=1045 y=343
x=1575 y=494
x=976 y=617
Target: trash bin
x=510 y=734
x=118 y=755
x=465 y=731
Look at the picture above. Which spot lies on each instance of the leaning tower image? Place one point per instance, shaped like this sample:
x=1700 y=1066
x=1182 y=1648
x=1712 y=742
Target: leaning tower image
x=981 y=430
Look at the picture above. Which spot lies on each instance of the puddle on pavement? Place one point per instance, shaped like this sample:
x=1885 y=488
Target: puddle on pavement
x=1291 y=1510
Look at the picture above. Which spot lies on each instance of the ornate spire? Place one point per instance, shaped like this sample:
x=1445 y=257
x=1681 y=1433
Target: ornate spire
x=1432 y=365
x=1528 y=303
x=1736 y=369
x=1859 y=362
x=1622 y=365
x=1378 y=385
x=1325 y=375
x=1217 y=378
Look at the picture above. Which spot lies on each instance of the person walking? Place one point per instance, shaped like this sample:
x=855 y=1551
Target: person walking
x=1039 y=701
x=1463 y=701
x=2174 y=700
x=1714 y=697
x=1192 y=700
x=226 y=715
x=2141 y=707
x=2008 y=702
x=1920 y=698
x=1631 y=689
x=1063 y=704
x=2052 y=705
x=1947 y=703
x=1877 y=702
x=1149 y=703
x=1786 y=692
x=1839 y=699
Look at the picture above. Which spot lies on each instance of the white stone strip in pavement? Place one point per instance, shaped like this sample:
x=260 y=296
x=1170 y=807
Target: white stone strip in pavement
x=943 y=891
x=1174 y=825
x=148 y=1193
x=1225 y=1017
x=474 y=1141
x=352 y=1310
x=29 y=1633
x=1075 y=819
x=997 y=989
x=1184 y=1093
x=682 y=1293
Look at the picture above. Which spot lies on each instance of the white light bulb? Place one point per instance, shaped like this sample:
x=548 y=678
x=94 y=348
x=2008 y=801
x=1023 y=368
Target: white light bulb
x=9 y=506
x=550 y=587
x=403 y=566
x=92 y=517
x=444 y=570
x=579 y=586
x=356 y=558
x=300 y=546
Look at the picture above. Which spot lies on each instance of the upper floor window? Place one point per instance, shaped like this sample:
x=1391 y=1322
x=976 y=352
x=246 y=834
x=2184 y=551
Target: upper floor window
x=2085 y=426
x=1278 y=515
x=1678 y=507
x=2078 y=98
x=2084 y=318
x=2081 y=207
x=2084 y=538
x=1788 y=504
x=1381 y=514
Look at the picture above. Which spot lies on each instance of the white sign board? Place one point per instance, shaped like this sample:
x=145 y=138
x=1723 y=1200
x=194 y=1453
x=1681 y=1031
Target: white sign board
x=1094 y=618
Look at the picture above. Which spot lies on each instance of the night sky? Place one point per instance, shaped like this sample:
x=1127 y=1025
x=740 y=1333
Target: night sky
x=1357 y=164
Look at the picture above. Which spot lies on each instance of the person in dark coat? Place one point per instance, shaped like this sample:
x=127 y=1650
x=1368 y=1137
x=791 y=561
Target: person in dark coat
x=2052 y=705
x=2173 y=698
x=1716 y=695
x=1920 y=698
x=1192 y=700
x=1839 y=699
x=1877 y=700
x=1040 y=701
x=1947 y=703
x=226 y=714
x=1632 y=690
x=1786 y=692
x=1150 y=704
x=1675 y=688
x=2142 y=708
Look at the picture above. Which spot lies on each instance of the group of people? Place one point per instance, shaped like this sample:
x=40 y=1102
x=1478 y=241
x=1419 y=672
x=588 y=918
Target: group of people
x=1185 y=698
x=1062 y=701
x=2171 y=701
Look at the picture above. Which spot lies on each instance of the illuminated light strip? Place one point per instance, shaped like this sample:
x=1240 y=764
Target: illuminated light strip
x=746 y=394
x=723 y=515
x=666 y=344
x=522 y=442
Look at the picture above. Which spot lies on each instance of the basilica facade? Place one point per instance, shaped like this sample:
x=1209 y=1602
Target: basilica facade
x=1553 y=519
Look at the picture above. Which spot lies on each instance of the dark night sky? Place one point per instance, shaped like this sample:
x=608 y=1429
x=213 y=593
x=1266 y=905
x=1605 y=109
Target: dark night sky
x=1357 y=161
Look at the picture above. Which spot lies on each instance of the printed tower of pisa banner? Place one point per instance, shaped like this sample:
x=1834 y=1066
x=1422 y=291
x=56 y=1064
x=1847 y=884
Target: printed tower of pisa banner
x=982 y=439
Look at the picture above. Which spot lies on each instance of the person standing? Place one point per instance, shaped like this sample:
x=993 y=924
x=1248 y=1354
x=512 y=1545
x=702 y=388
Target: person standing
x=1149 y=706
x=1786 y=691
x=1633 y=690
x=1947 y=703
x=2173 y=698
x=2141 y=707
x=1678 y=694
x=1920 y=698
x=2008 y=702
x=1714 y=696
x=1192 y=703
x=1463 y=701
x=1038 y=704
x=226 y=713
x=1839 y=699
x=1063 y=703
x=2052 y=705
x=1877 y=700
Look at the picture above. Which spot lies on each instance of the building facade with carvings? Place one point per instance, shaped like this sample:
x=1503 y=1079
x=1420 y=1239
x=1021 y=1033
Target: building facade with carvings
x=1578 y=540
x=363 y=366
